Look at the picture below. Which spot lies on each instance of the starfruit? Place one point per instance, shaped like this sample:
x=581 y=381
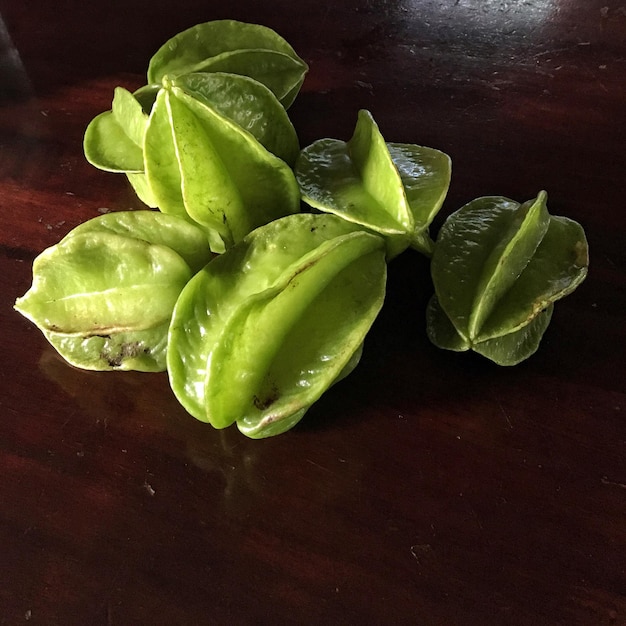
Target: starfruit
x=263 y=330
x=249 y=104
x=202 y=165
x=393 y=189
x=215 y=149
x=114 y=139
x=103 y=296
x=497 y=268
x=234 y=47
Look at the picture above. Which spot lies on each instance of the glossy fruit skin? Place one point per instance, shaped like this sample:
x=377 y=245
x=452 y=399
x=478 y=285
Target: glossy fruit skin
x=213 y=148
x=497 y=268
x=234 y=47
x=203 y=166
x=392 y=189
x=103 y=296
x=255 y=336
x=208 y=138
x=264 y=329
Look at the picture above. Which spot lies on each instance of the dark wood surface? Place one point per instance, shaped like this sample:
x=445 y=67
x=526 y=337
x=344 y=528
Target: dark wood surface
x=428 y=487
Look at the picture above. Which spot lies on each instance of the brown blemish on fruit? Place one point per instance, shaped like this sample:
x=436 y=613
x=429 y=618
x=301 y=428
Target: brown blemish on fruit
x=265 y=402
x=129 y=350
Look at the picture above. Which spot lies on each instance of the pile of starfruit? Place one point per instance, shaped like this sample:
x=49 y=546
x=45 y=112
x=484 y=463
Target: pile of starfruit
x=254 y=307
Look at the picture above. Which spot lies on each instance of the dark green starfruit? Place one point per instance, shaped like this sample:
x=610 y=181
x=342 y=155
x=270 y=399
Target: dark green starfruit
x=497 y=268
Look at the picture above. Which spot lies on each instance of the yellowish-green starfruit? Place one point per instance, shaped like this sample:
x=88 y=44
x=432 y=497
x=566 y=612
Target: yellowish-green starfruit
x=234 y=47
x=202 y=165
x=103 y=296
x=393 y=189
x=263 y=330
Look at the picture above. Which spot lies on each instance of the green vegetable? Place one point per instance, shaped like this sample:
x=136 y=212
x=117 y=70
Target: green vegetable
x=263 y=330
x=104 y=295
x=497 y=268
x=233 y=47
x=391 y=188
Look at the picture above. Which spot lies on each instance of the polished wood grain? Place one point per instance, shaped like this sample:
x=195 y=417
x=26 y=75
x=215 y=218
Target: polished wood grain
x=428 y=487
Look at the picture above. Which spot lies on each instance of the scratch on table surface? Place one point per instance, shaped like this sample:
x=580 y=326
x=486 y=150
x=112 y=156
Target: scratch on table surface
x=612 y=483
x=419 y=550
x=505 y=414
x=318 y=465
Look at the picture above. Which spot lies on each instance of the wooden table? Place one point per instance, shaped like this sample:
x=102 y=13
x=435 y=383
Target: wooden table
x=427 y=488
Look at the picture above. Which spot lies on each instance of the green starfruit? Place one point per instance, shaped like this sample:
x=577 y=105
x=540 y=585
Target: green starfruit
x=103 y=296
x=248 y=103
x=263 y=330
x=234 y=47
x=202 y=165
x=497 y=268
x=155 y=227
x=114 y=139
x=393 y=189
